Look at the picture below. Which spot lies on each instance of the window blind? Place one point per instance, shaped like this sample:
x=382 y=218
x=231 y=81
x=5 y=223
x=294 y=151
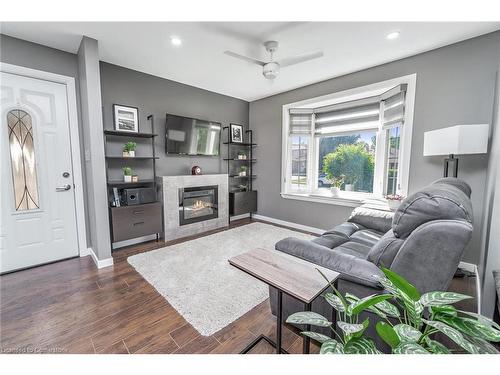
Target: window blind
x=359 y=114
x=300 y=120
x=393 y=106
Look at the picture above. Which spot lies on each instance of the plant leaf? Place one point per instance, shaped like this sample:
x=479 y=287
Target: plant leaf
x=436 y=347
x=316 y=336
x=483 y=346
x=388 y=334
x=334 y=301
x=471 y=327
x=388 y=308
x=414 y=309
x=407 y=333
x=453 y=334
x=356 y=307
x=309 y=317
x=443 y=310
x=361 y=345
x=407 y=347
x=441 y=298
x=331 y=347
x=349 y=328
x=486 y=321
x=402 y=284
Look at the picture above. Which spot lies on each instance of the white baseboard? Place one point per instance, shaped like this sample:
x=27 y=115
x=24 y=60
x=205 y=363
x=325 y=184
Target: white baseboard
x=100 y=263
x=238 y=217
x=467 y=267
x=290 y=224
x=85 y=252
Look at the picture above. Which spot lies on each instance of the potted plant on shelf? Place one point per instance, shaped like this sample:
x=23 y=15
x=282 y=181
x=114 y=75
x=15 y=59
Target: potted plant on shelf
x=394 y=200
x=127 y=174
x=410 y=323
x=243 y=171
x=336 y=184
x=242 y=155
x=129 y=149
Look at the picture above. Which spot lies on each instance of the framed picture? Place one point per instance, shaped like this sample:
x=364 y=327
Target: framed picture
x=236 y=133
x=126 y=118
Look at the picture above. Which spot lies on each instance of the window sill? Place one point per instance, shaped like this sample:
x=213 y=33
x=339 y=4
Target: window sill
x=344 y=198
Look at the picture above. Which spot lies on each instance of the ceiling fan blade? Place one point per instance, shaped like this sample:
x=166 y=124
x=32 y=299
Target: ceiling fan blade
x=298 y=59
x=246 y=58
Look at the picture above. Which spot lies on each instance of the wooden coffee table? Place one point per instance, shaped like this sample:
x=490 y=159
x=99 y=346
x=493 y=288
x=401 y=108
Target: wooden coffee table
x=288 y=274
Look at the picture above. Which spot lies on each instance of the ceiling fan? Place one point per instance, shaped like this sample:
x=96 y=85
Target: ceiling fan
x=271 y=68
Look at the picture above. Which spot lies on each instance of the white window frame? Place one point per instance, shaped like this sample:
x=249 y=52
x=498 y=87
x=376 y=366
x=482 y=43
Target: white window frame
x=351 y=199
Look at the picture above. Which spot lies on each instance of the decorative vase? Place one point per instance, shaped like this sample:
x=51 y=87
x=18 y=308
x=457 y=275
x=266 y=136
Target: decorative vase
x=127 y=178
x=131 y=154
x=349 y=187
x=335 y=191
x=242 y=173
x=393 y=204
x=125 y=154
x=135 y=178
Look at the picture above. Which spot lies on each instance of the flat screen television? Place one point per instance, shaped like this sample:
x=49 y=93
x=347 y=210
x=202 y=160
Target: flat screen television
x=191 y=136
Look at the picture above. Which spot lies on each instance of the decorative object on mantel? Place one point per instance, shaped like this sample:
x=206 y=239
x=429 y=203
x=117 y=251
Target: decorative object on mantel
x=236 y=132
x=456 y=140
x=129 y=149
x=127 y=174
x=126 y=118
x=394 y=200
x=196 y=170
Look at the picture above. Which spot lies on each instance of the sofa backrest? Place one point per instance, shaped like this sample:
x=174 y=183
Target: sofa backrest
x=429 y=233
x=444 y=199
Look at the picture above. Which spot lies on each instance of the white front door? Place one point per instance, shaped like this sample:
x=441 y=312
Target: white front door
x=38 y=216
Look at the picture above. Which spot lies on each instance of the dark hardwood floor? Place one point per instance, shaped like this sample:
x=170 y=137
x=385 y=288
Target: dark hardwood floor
x=72 y=307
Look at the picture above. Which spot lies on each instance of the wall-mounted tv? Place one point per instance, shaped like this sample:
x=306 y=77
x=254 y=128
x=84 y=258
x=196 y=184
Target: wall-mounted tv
x=191 y=136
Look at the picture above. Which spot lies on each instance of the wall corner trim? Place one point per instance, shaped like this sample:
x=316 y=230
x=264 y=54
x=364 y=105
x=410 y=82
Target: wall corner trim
x=100 y=263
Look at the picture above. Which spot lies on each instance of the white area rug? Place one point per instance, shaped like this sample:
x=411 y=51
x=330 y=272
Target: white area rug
x=197 y=280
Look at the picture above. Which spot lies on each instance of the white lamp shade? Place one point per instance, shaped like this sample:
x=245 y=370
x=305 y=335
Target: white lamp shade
x=457 y=140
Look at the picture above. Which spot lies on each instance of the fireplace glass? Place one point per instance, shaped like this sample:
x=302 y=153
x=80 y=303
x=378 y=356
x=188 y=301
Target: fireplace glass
x=197 y=204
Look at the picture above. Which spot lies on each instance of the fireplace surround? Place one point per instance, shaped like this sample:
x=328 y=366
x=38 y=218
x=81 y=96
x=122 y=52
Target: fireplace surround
x=197 y=204
x=197 y=217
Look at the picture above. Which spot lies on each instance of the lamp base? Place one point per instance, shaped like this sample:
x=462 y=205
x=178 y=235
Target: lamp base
x=450 y=160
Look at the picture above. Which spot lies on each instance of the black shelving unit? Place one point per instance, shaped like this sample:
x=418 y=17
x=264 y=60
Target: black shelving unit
x=241 y=201
x=127 y=222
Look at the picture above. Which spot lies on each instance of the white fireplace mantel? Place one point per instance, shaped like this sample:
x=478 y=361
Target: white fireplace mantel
x=169 y=194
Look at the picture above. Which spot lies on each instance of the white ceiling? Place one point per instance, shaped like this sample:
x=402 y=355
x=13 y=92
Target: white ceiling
x=200 y=62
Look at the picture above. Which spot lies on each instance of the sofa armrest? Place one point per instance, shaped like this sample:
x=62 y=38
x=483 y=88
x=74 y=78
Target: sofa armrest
x=351 y=268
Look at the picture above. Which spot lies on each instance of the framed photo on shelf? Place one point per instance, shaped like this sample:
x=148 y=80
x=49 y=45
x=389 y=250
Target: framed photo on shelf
x=126 y=118
x=236 y=133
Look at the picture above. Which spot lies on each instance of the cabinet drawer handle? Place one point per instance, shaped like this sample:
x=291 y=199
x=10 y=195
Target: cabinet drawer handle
x=139 y=223
x=138 y=212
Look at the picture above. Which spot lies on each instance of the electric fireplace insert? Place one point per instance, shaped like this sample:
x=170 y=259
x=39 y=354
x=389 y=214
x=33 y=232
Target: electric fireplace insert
x=197 y=204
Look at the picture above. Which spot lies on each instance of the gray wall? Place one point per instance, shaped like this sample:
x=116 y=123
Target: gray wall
x=455 y=85
x=35 y=56
x=490 y=257
x=90 y=94
x=157 y=96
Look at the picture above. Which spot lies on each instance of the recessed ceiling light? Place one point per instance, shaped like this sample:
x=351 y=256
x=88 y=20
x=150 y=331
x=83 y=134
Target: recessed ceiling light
x=393 y=35
x=175 y=40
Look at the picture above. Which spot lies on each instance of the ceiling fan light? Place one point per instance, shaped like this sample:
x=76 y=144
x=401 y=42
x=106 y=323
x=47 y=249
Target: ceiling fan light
x=271 y=70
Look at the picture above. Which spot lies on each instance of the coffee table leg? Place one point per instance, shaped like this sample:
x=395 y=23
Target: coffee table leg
x=306 y=340
x=278 y=322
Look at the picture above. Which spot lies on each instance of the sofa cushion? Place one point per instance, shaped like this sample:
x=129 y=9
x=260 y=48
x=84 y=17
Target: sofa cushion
x=345 y=229
x=441 y=200
x=384 y=251
x=353 y=248
x=372 y=218
x=368 y=237
x=330 y=240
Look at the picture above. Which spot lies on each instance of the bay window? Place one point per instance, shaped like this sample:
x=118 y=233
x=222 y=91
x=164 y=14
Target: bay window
x=358 y=142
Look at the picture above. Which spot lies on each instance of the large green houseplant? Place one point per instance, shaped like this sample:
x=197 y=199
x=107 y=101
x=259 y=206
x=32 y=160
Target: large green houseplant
x=408 y=324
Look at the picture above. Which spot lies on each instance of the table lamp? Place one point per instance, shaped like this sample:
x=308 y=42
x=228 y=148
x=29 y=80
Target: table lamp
x=456 y=140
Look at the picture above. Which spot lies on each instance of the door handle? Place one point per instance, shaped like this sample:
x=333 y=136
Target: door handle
x=63 y=188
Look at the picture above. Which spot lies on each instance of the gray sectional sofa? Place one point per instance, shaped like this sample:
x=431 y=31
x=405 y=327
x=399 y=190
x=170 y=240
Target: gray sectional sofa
x=423 y=240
